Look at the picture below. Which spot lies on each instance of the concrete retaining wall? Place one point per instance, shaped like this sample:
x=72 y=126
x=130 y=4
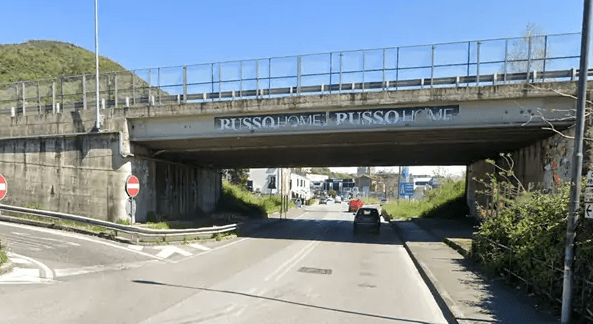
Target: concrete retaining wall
x=545 y=165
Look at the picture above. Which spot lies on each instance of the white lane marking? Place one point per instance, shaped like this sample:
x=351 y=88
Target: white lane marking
x=301 y=215
x=26 y=243
x=297 y=261
x=167 y=251
x=23 y=234
x=256 y=292
x=287 y=262
x=44 y=271
x=97 y=268
x=135 y=247
x=20 y=261
x=59 y=241
x=199 y=247
x=83 y=238
x=221 y=247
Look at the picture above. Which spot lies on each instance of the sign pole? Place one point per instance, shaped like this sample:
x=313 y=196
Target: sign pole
x=576 y=166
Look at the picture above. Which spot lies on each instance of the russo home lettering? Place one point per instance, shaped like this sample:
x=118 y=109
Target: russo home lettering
x=335 y=119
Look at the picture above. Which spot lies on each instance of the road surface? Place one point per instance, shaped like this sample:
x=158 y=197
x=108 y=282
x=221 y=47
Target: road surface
x=313 y=269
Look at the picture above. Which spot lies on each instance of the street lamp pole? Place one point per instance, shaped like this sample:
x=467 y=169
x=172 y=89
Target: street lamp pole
x=97 y=127
x=577 y=165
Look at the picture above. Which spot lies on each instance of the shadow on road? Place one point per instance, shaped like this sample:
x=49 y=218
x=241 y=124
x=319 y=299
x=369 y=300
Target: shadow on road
x=329 y=230
x=344 y=311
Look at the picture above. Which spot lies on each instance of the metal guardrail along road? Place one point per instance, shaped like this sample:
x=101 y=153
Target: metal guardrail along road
x=136 y=233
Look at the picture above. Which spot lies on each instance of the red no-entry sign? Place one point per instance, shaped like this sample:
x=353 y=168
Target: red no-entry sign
x=132 y=186
x=3 y=187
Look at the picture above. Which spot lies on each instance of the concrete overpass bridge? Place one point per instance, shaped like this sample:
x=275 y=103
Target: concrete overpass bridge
x=177 y=143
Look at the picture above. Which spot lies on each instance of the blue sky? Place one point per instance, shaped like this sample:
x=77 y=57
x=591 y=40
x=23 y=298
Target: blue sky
x=149 y=33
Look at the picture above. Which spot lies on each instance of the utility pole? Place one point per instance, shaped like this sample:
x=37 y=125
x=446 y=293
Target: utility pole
x=577 y=165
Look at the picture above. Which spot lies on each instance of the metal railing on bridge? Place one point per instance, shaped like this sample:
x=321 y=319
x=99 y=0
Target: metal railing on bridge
x=551 y=57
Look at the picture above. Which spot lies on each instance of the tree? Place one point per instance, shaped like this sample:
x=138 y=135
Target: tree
x=237 y=176
x=518 y=57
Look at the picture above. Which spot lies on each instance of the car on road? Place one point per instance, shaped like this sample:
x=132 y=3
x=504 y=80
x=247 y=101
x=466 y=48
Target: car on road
x=323 y=201
x=367 y=217
x=338 y=199
x=383 y=201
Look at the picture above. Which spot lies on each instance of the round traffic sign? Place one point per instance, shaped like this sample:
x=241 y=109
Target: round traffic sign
x=3 y=187
x=132 y=186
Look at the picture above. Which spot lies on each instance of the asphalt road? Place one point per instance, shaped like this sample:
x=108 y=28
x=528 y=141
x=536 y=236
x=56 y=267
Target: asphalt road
x=313 y=269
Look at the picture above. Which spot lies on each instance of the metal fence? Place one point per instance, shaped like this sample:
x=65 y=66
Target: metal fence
x=505 y=258
x=470 y=63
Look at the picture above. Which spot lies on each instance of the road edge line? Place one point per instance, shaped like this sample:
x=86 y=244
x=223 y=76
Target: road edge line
x=44 y=270
x=428 y=279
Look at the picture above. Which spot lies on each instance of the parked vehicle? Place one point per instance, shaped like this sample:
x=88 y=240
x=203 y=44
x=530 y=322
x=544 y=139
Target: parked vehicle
x=383 y=201
x=338 y=199
x=354 y=205
x=367 y=217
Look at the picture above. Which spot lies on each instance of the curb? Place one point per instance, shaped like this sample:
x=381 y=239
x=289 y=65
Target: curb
x=466 y=254
x=6 y=267
x=441 y=297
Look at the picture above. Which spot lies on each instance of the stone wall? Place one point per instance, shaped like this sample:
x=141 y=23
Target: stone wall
x=545 y=165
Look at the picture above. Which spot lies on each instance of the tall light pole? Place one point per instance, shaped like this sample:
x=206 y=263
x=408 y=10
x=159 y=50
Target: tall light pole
x=577 y=165
x=97 y=127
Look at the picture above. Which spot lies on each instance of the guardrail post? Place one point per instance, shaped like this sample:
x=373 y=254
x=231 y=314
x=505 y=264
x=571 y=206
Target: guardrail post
x=299 y=62
x=53 y=96
x=212 y=80
x=24 y=97
x=363 y=69
x=397 y=72
x=478 y=63
x=219 y=81
x=341 y=56
x=384 y=86
x=38 y=99
x=432 y=66
x=62 y=92
x=469 y=46
x=84 y=92
x=185 y=84
x=545 y=57
x=269 y=77
x=528 y=58
x=149 y=85
x=133 y=88
x=159 y=85
x=506 y=56
x=257 y=79
x=330 y=72
x=241 y=82
x=115 y=90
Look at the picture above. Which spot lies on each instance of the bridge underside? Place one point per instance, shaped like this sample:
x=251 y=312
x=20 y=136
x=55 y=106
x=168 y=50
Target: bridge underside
x=452 y=146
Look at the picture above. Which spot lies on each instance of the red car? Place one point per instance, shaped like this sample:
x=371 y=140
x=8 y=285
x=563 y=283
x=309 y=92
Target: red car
x=354 y=205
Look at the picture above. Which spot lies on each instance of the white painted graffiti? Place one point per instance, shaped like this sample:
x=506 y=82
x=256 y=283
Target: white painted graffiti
x=335 y=119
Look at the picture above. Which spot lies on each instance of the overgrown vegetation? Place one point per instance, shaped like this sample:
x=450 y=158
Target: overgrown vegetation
x=446 y=201
x=39 y=59
x=3 y=257
x=237 y=199
x=523 y=235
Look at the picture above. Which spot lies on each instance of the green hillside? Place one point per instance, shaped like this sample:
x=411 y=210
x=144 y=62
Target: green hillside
x=40 y=59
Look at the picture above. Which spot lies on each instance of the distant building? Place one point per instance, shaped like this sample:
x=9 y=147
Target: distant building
x=300 y=186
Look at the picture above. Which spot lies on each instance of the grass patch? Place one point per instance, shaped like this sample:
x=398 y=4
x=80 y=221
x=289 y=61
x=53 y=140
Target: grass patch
x=447 y=201
x=224 y=236
x=238 y=200
x=3 y=257
x=369 y=201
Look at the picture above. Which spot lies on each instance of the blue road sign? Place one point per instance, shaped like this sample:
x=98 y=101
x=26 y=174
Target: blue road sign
x=406 y=188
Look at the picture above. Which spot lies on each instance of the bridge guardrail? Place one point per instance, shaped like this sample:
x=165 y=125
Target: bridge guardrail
x=137 y=234
x=469 y=63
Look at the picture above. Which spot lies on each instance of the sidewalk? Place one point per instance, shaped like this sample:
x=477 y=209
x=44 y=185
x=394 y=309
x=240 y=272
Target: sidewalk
x=464 y=295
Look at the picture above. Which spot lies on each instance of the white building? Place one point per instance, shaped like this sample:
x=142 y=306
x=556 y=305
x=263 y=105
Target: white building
x=300 y=186
x=265 y=181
